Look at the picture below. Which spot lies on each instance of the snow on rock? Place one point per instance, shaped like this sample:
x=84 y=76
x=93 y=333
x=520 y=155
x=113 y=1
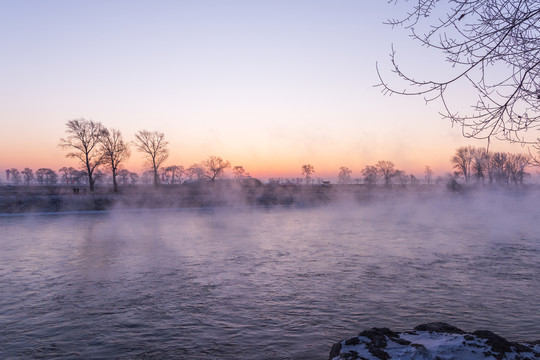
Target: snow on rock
x=433 y=341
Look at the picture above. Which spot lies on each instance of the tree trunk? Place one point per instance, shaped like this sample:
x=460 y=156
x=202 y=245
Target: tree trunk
x=115 y=184
x=156 y=178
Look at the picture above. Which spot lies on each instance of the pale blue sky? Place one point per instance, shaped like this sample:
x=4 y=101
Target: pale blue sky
x=269 y=85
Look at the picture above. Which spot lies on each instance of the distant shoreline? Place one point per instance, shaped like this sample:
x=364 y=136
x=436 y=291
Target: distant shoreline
x=64 y=200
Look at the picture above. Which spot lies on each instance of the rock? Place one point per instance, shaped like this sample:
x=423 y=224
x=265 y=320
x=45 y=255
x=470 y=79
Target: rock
x=439 y=327
x=432 y=341
x=336 y=350
x=377 y=337
x=497 y=343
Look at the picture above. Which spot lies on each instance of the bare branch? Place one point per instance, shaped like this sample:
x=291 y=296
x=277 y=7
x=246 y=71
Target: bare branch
x=493 y=46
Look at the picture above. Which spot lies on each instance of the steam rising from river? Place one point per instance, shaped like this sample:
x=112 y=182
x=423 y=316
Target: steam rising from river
x=267 y=282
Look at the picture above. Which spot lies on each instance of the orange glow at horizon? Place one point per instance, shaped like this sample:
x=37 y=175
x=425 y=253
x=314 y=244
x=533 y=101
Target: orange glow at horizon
x=259 y=168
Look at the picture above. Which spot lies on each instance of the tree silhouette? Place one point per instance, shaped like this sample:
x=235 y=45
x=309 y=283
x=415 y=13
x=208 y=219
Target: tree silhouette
x=370 y=174
x=344 y=176
x=15 y=176
x=492 y=46
x=28 y=175
x=114 y=151
x=214 y=167
x=428 y=174
x=154 y=145
x=195 y=172
x=462 y=161
x=174 y=172
x=307 y=170
x=386 y=170
x=45 y=176
x=82 y=141
x=239 y=172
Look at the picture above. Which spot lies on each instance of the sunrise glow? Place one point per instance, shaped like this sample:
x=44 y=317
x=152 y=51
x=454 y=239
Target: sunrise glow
x=268 y=86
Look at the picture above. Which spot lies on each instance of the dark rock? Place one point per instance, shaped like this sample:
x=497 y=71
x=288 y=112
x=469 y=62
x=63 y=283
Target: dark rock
x=497 y=343
x=400 y=341
x=439 y=327
x=377 y=336
x=378 y=340
x=336 y=348
x=521 y=347
x=352 y=341
x=383 y=355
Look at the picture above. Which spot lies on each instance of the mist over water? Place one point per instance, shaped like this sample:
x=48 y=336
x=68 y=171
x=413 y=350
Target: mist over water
x=265 y=283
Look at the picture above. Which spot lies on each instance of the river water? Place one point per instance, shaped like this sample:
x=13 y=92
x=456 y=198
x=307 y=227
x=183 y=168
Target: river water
x=263 y=283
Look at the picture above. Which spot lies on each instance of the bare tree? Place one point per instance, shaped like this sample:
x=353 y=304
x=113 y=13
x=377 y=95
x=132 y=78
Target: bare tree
x=239 y=172
x=491 y=46
x=133 y=178
x=126 y=177
x=214 y=167
x=154 y=145
x=82 y=141
x=174 y=172
x=307 y=170
x=148 y=177
x=123 y=176
x=66 y=174
x=480 y=163
x=45 y=176
x=370 y=174
x=70 y=175
x=462 y=161
x=402 y=177
x=344 y=176
x=498 y=168
x=535 y=158
x=114 y=151
x=100 y=177
x=429 y=175
x=386 y=170
x=28 y=176
x=515 y=165
x=195 y=172
x=15 y=176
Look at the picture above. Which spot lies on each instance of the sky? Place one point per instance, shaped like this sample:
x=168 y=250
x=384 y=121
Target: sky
x=267 y=85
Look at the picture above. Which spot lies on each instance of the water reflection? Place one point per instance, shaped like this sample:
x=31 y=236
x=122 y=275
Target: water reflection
x=256 y=283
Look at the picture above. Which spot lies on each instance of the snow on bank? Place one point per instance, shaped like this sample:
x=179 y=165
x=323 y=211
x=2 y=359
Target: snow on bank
x=434 y=341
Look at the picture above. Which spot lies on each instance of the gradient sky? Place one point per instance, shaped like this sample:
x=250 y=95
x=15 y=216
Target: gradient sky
x=269 y=85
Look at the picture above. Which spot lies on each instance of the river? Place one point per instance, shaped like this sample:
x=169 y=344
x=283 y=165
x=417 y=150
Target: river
x=263 y=283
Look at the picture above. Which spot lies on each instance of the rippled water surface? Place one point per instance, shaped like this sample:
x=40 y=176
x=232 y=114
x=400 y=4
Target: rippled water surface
x=278 y=283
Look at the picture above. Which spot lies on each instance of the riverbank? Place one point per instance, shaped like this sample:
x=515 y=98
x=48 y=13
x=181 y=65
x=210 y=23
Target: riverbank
x=44 y=199
x=32 y=199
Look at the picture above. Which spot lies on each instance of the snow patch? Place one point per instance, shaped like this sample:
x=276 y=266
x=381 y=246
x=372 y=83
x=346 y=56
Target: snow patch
x=382 y=343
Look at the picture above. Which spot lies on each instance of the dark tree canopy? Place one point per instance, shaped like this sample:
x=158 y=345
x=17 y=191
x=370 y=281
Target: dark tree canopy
x=493 y=48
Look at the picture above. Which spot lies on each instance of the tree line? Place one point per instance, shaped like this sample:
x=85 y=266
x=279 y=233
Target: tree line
x=97 y=148
x=383 y=172
x=477 y=164
x=94 y=145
